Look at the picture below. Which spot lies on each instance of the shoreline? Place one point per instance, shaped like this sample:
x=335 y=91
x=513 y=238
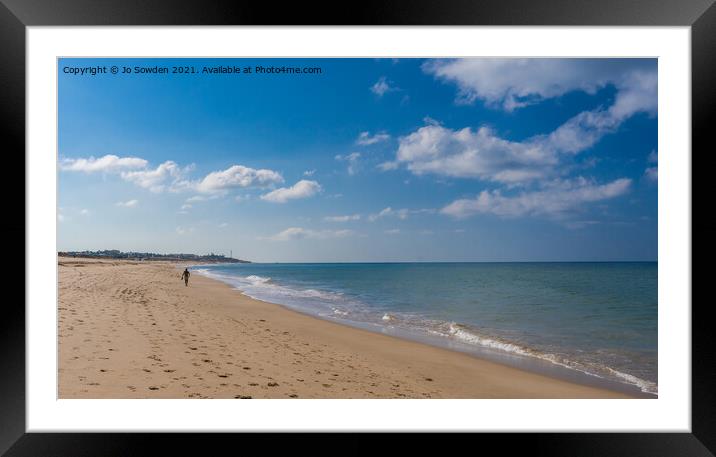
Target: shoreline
x=132 y=330
x=517 y=361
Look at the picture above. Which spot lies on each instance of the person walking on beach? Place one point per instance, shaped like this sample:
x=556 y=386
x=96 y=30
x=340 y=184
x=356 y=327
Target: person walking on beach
x=185 y=276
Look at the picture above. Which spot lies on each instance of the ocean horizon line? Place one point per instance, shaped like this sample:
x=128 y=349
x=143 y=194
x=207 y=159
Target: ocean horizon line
x=449 y=261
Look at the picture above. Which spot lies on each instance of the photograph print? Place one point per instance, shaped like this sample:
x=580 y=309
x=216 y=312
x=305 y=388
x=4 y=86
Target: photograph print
x=357 y=228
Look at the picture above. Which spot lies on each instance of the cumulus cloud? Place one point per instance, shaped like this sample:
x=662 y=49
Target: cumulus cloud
x=514 y=83
x=107 y=164
x=302 y=189
x=128 y=203
x=390 y=165
x=352 y=160
x=347 y=218
x=365 y=138
x=382 y=87
x=167 y=175
x=483 y=154
x=652 y=173
x=298 y=233
x=556 y=199
x=401 y=214
x=237 y=176
x=467 y=153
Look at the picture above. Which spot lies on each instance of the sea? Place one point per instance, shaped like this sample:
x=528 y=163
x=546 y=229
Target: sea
x=594 y=323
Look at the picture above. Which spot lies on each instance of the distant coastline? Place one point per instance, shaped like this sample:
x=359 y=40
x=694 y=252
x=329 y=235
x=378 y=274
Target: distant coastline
x=150 y=256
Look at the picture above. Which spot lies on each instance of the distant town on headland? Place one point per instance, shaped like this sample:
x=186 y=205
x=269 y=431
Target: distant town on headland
x=142 y=256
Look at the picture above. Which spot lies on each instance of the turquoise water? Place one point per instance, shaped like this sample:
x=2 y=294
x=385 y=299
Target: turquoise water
x=598 y=319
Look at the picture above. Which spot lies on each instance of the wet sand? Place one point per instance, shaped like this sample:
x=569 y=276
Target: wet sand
x=133 y=330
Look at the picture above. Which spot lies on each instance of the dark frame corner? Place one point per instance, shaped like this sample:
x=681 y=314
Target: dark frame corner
x=16 y=15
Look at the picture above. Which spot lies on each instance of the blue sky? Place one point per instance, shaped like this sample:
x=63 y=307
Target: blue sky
x=369 y=160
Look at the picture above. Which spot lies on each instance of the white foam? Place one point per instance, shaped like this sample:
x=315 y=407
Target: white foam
x=254 y=279
x=645 y=386
x=456 y=331
x=472 y=338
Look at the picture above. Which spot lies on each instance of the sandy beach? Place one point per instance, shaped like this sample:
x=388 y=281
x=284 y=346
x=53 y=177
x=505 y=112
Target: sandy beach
x=133 y=330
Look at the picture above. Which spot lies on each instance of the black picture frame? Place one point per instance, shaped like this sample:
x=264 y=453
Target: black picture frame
x=16 y=15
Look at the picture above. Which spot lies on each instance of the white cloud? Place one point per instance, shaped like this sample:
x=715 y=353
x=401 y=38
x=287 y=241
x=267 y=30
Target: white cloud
x=382 y=87
x=514 y=83
x=555 y=200
x=466 y=153
x=62 y=218
x=482 y=154
x=223 y=225
x=237 y=176
x=85 y=212
x=298 y=233
x=157 y=180
x=392 y=232
x=170 y=176
x=302 y=189
x=365 y=139
x=347 y=218
x=167 y=175
x=384 y=212
x=652 y=173
x=128 y=203
x=390 y=165
x=184 y=230
x=653 y=157
x=401 y=214
x=352 y=160
x=108 y=164
x=186 y=206
x=309 y=172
